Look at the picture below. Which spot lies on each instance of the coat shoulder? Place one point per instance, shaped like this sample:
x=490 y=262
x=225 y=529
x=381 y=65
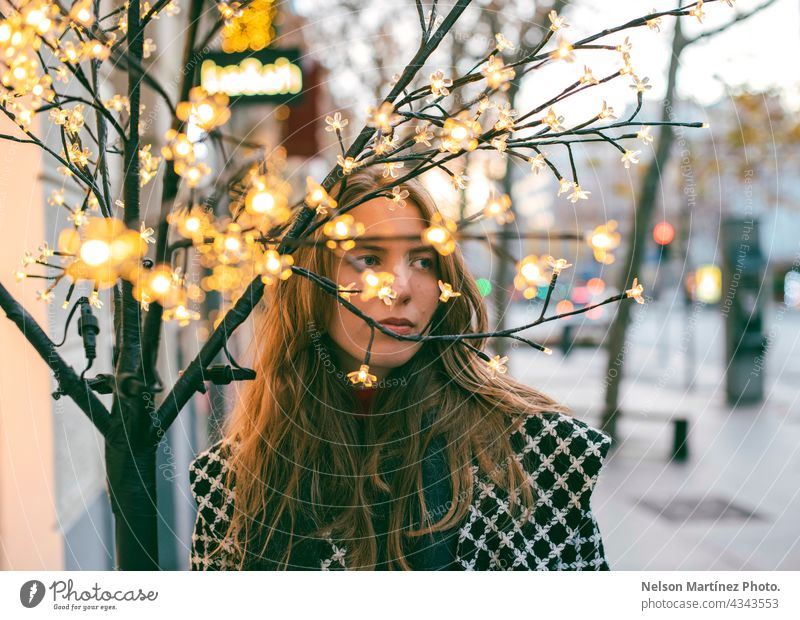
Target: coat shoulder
x=561 y=452
x=562 y=458
x=554 y=446
x=207 y=481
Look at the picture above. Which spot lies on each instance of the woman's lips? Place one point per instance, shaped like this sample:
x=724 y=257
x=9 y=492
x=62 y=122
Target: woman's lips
x=402 y=330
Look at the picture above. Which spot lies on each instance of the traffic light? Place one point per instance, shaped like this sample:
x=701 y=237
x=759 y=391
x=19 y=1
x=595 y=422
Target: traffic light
x=663 y=234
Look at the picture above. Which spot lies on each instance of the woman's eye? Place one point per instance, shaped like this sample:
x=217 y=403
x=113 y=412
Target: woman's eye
x=369 y=260
x=423 y=262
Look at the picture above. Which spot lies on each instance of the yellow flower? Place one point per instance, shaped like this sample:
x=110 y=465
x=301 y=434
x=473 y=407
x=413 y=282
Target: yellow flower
x=558 y=265
x=698 y=11
x=318 y=198
x=578 y=194
x=497 y=365
x=362 y=376
x=440 y=85
x=423 y=134
x=556 y=22
x=460 y=133
x=440 y=234
x=347 y=164
x=642 y=85
x=537 y=163
x=447 y=291
x=636 y=291
x=530 y=276
x=148 y=165
x=335 y=122
x=587 y=77
x=499 y=207
x=630 y=157
x=146 y=233
x=505 y=118
x=500 y=143
x=274 y=267
x=655 y=23
x=178 y=147
x=81 y=12
x=341 y=230
x=390 y=169
x=204 y=110
x=564 y=186
x=563 y=51
x=606 y=112
x=459 y=181
x=382 y=117
x=497 y=74
x=399 y=196
x=347 y=291
x=644 y=135
x=378 y=284
x=553 y=121
x=192 y=173
x=625 y=47
x=502 y=43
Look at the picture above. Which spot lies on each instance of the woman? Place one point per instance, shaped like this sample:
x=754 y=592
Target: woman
x=441 y=464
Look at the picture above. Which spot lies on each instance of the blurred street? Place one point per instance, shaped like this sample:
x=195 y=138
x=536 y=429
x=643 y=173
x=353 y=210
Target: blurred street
x=734 y=504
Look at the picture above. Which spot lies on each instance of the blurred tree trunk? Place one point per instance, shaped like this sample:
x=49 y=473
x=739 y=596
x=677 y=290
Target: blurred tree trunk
x=505 y=271
x=642 y=216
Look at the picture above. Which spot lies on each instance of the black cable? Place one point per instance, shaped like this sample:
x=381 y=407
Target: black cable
x=230 y=357
x=88 y=366
x=69 y=318
x=88 y=328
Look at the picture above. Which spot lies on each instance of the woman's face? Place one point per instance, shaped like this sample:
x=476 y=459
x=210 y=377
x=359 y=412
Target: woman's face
x=400 y=252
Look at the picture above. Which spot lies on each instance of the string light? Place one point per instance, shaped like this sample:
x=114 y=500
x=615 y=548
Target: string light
x=204 y=110
x=318 y=198
x=497 y=74
x=564 y=51
x=636 y=291
x=335 y=122
x=603 y=240
x=497 y=365
x=341 y=230
x=378 y=284
x=447 y=291
x=499 y=207
x=440 y=234
x=439 y=84
x=460 y=133
x=382 y=117
x=556 y=22
x=362 y=376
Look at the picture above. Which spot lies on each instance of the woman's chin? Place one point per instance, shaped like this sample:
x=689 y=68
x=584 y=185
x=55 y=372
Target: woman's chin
x=390 y=359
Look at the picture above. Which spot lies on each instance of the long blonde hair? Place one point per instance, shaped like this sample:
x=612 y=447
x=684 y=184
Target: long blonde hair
x=299 y=462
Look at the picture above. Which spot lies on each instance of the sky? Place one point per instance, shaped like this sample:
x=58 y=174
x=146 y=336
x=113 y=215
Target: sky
x=757 y=53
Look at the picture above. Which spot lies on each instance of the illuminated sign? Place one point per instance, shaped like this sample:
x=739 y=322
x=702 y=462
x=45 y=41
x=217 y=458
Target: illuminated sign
x=267 y=76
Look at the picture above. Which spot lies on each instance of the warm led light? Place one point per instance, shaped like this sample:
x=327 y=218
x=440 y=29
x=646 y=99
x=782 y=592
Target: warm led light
x=160 y=283
x=531 y=271
x=458 y=133
x=233 y=244
x=601 y=240
x=95 y=252
x=262 y=202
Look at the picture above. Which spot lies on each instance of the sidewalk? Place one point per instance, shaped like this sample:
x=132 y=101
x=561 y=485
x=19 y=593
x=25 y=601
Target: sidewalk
x=735 y=504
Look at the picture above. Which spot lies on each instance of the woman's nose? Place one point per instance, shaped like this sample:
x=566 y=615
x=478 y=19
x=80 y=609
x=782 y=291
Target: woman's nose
x=402 y=281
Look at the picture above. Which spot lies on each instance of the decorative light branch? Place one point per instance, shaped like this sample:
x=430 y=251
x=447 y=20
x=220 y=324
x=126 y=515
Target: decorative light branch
x=408 y=133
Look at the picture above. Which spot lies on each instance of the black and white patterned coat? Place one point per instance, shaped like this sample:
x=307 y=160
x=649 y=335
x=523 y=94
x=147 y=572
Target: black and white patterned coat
x=563 y=456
